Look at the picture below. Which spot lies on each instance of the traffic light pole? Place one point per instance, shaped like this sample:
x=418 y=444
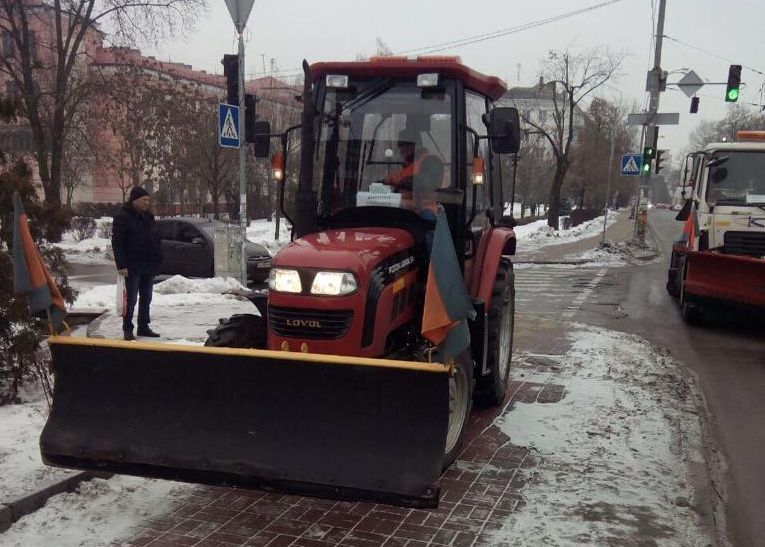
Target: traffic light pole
x=653 y=102
x=242 y=165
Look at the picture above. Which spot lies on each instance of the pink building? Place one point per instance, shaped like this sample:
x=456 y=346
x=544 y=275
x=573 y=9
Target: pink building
x=99 y=181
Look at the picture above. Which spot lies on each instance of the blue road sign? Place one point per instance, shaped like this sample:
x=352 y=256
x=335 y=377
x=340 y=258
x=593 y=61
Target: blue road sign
x=228 y=125
x=631 y=164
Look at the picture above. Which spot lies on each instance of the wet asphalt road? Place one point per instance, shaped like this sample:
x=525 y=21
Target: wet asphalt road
x=729 y=360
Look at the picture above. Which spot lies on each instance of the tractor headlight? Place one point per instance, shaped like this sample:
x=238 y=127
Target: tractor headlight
x=333 y=283
x=283 y=280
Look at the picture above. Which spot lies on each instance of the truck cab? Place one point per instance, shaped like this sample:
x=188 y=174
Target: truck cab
x=720 y=256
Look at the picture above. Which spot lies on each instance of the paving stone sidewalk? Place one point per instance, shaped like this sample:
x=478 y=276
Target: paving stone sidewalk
x=478 y=494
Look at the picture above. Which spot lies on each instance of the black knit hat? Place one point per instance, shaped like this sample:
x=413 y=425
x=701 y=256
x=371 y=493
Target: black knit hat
x=136 y=192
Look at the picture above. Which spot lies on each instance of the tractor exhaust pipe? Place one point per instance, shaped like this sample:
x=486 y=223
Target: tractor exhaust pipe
x=305 y=199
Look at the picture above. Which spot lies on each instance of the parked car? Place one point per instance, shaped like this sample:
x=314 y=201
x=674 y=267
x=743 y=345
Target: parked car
x=187 y=244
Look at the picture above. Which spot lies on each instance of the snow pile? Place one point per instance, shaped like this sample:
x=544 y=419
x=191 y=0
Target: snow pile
x=99 y=513
x=183 y=285
x=93 y=249
x=617 y=452
x=541 y=235
x=182 y=309
x=261 y=231
x=612 y=255
x=175 y=291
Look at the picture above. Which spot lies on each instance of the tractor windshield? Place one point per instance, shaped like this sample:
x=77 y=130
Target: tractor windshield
x=383 y=142
x=740 y=180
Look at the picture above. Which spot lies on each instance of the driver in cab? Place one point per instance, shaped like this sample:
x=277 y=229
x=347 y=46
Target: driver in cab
x=419 y=176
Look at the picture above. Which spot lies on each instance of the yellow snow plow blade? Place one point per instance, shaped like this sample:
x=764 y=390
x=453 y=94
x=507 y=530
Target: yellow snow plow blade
x=324 y=425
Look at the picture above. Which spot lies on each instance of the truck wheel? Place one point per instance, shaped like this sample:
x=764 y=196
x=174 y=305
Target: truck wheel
x=673 y=279
x=460 y=403
x=691 y=312
x=238 y=331
x=490 y=389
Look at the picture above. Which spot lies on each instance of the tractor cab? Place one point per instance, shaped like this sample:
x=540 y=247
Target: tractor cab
x=394 y=139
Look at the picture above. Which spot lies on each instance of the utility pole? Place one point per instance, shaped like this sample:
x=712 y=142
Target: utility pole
x=608 y=183
x=242 y=162
x=657 y=81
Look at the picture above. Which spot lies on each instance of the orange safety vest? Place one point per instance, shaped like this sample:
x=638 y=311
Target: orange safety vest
x=407 y=171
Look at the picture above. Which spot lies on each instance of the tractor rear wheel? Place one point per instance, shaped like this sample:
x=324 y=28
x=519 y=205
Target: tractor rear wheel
x=490 y=389
x=238 y=331
x=460 y=404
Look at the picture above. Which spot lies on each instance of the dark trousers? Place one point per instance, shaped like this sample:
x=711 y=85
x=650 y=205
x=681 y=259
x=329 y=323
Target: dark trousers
x=139 y=285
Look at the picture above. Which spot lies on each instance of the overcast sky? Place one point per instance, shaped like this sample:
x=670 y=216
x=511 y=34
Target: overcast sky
x=322 y=30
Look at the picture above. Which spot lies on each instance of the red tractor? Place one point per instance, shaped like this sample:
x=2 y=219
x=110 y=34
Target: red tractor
x=332 y=390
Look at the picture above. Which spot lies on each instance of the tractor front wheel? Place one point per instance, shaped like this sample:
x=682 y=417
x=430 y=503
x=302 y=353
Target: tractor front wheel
x=460 y=403
x=490 y=389
x=239 y=331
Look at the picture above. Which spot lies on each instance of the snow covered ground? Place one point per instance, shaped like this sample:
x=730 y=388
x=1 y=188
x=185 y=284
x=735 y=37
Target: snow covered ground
x=616 y=453
x=90 y=250
x=615 y=458
x=21 y=469
x=537 y=234
x=182 y=309
x=262 y=231
x=99 y=513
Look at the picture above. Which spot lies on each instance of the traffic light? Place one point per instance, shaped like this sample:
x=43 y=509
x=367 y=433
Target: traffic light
x=734 y=83
x=659 y=160
x=694 y=105
x=646 y=168
x=231 y=72
x=250 y=117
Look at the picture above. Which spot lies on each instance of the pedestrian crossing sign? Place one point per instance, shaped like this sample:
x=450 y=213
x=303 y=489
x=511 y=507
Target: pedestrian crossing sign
x=631 y=164
x=228 y=125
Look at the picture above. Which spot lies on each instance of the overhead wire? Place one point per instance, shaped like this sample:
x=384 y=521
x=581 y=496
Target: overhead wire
x=468 y=40
x=461 y=42
x=711 y=53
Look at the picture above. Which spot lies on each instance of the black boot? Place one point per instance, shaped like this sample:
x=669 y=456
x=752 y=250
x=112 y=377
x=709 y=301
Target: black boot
x=128 y=335
x=146 y=331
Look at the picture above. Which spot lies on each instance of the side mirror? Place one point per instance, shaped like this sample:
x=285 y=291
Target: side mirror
x=262 y=143
x=504 y=130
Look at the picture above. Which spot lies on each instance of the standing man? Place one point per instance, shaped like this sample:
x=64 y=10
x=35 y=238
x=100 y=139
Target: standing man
x=137 y=254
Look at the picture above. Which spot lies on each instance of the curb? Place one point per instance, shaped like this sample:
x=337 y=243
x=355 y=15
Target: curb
x=13 y=511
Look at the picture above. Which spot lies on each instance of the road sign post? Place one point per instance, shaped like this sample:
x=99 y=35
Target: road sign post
x=240 y=12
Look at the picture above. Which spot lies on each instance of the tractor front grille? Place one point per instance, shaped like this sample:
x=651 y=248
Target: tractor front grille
x=309 y=324
x=745 y=243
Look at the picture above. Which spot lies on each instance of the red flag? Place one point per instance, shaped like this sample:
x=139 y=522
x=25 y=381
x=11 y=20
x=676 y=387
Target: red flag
x=30 y=276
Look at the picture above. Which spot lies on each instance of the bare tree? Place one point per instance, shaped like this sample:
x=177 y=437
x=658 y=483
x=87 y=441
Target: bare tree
x=571 y=78
x=141 y=110
x=604 y=122
x=49 y=62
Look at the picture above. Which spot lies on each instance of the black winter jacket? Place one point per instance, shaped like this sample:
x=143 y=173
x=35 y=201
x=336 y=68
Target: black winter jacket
x=134 y=239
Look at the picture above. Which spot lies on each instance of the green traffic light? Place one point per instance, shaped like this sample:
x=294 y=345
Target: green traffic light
x=733 y=94
x=646 y=168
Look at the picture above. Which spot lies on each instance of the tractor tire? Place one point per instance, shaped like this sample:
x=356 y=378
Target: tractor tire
x=490 y=389
x=239 y=331
x=460 y=405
